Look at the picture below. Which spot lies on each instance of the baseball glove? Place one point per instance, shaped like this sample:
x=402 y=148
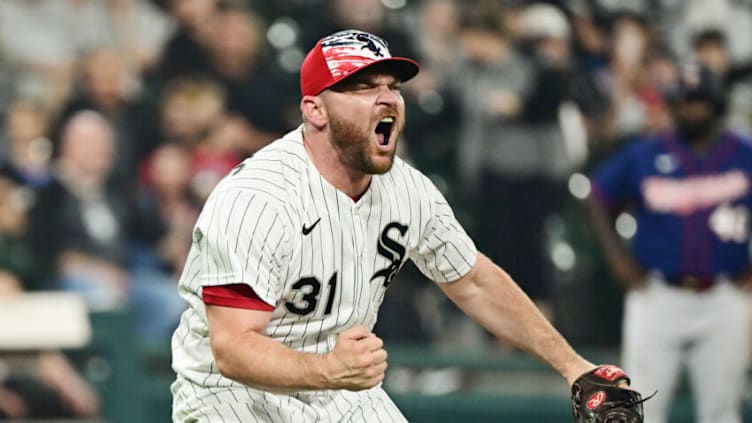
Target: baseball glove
x=597 y=398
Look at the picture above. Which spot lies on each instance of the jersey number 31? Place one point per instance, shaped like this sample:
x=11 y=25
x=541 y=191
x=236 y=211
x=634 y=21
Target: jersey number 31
x=310 y=288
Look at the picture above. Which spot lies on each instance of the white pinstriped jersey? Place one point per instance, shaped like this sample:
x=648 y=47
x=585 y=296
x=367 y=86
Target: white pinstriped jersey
x=323 y=260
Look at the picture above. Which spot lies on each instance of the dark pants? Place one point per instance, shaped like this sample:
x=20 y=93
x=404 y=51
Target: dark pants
x=41 y=400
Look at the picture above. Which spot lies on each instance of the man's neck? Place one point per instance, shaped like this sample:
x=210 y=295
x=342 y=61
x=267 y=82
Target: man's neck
x=327 y=161
x=702 y=146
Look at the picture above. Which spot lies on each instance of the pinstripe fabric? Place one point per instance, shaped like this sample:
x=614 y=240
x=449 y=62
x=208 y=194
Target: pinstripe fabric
x=243 y=404
x=324 y=262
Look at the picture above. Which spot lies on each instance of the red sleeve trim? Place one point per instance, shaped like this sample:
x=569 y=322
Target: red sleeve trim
x=236 y=295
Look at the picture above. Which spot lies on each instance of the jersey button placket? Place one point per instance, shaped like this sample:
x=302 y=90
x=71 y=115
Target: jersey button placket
x=358 y=228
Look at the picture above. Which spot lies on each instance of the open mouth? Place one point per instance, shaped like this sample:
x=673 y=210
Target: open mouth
x=384 y=130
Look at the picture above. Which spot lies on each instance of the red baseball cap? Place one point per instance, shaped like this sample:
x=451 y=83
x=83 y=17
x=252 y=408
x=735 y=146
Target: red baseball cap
x=343 y=54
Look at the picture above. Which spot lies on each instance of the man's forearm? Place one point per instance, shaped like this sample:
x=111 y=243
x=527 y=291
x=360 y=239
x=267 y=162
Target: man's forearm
x=621 y=262
x=257 y=360
x=243 y=353
x=602 y=226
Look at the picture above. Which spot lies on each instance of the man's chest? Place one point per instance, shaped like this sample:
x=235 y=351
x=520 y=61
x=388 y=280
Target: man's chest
x=347 y=252
x=687 y=193
x=713 y=201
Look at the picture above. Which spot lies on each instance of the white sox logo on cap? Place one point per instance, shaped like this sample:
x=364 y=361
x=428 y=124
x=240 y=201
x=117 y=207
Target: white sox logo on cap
x=349 y=50
x=344 y=53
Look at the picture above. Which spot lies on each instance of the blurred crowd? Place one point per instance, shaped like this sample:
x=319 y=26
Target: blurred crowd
x=118 y=117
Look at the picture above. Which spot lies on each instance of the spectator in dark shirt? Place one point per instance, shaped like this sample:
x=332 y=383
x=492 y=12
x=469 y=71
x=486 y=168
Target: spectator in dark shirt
x=80 y=227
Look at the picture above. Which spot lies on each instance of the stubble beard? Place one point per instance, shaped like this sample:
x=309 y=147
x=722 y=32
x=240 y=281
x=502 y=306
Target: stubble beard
x=354 y=147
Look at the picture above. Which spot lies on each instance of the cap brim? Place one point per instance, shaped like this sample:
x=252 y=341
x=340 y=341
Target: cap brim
x=402 y=67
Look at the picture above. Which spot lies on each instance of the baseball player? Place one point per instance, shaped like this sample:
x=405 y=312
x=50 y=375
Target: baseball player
x=296 y=247
x=689 y=191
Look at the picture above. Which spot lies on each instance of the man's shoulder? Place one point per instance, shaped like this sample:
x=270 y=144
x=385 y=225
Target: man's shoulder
x=287 y=151
x=272 y=172
x=278 y=159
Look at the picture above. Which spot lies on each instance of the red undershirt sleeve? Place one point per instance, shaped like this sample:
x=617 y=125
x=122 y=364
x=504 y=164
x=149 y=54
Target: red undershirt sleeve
x=236 y=295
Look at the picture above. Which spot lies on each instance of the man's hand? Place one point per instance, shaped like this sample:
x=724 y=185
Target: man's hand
x=744 y=280
x=12 y=404
x=601 y=395
x=358 y=360
x=628 y=272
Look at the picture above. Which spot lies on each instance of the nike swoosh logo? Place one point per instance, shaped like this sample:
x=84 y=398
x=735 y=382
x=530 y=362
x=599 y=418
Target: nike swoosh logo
x=307 y=229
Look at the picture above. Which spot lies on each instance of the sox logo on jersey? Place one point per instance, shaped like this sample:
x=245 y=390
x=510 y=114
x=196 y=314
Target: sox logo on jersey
x=393 y=251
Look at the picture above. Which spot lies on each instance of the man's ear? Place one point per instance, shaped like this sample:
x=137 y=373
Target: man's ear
x=314 y=110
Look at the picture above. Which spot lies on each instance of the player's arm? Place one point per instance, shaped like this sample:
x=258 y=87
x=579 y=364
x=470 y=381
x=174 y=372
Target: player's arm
x=621 y=262
x=489 y=296
x=243 y=352
x=615 y=183
x=744 y=279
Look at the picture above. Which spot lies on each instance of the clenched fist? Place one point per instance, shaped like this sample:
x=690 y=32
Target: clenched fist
x=358 y=360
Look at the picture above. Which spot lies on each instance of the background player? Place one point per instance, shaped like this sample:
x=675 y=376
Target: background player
x=690 y=194
x=295 y=248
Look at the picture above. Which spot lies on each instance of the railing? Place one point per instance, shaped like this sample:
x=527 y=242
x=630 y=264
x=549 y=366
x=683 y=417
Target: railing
x=493 y=386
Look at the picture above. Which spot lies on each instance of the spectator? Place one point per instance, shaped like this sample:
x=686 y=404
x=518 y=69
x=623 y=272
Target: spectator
x=684 y=19
x=184 y=52
x=659 y=75
x=436 y=43
x=559 y=86
x=134 y=28
x=629 y=40
x=166 y=210
x=193 y=115
x=52 y=388
x=504 y=165
x=365 y=15
x=256 y=88
x=431 y=137
x=8 y=86
x=80 y=226
x=19 y=268
x=189 y=108
x=42 y=39
x=218 y=153
x=29 y=149
x=40 y=54
x=710 y=48
x=108 y=86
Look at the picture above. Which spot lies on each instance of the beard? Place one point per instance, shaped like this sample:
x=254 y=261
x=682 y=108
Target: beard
x=354 y=146
x=696 y=130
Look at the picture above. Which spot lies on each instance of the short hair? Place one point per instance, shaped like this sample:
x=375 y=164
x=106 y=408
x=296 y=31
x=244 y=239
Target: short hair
x=483 y=16
x=194 y=87
x=86 y=117
x=708 y=36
